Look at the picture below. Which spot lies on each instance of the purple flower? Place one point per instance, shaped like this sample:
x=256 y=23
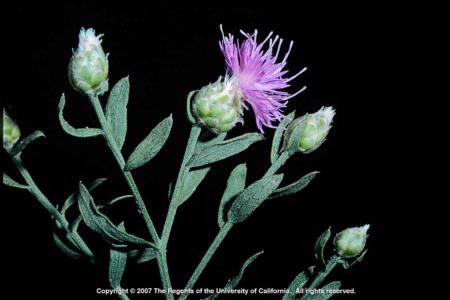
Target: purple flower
x=260 y=78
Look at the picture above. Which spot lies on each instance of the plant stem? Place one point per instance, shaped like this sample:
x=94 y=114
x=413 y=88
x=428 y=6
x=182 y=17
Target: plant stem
x=207 y=257
x=332 y=263
x=110 y=141
x=43 y=200
x=281 y=160
x=173 y=206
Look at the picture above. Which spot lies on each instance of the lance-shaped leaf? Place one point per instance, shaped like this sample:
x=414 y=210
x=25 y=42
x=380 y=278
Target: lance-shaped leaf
x=139 y=256
x=117 y=263
x=19 y=147
x=295 y=186
x=191 y=182
x=319 y=247
x=12 y=183
x=100 y=224
x=278 y=136
x=235 y=185
x=151 y=145
x=299 y=281
x=252 y=197
x=203 y=144
x=69 y=129
x=233 y=282
x=328 y=292
x=189 y=107
x=116 y=110
x=65 y=248
x=224 y=149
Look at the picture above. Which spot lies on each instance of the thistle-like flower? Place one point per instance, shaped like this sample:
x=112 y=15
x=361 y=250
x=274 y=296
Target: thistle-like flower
x=351 y=241
x=217 y=106
x=259 y=78
x=11 y=132
x=88 y=67
x=307 y=133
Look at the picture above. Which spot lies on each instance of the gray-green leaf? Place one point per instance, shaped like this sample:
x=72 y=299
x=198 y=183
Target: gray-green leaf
x=278 y=136
x=100 y=224
x=320 y=246
x=65 y=249
x=299 y=281
x=116 y=110
x=69 y=129
x=73 y=197
x=12 y=183
x=235 y=185
x=138 y=256
x=224 y=149
x=19 y=147
x=151 y=145
x=189 y=108
x=191 y=182
x=252 y=197
x=295 y=186
x=117 y=263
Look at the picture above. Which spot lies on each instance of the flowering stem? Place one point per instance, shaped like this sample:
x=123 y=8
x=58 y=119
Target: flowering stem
x=190 y=147
x=207 y=257
x=43 y=200
x=332 y=263
x=161 y=257
x=225 y=229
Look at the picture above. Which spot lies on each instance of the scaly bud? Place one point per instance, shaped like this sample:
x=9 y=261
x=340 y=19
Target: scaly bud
x=218 y=106
x=307 y=133
x=351 y=241
x=11 y=132
x=88 y=67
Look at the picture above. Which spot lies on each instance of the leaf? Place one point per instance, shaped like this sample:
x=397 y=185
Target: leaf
x=233 y=282
x=299 y=281
x=252 y=197
x=189 y=108
x=19 y=147
x=117 y=263
x=151 y=145
x=295 y=186
x=278 y=136
x=203 y=144
x=73 y=197
x=12 y=183
x=224 y=149
x=191 y=182
x=320 y=246
x=100 y=224
x=235 y=185
x=138 y=256
x=65 y=249
x=77 y=132
x=328 y=292
x=116 y=110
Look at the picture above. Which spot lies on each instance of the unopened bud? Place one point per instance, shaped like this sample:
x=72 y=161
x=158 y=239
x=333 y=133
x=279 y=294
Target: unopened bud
x=88 y=67
x=218 y=106
x=11 y=132
x=351 y=241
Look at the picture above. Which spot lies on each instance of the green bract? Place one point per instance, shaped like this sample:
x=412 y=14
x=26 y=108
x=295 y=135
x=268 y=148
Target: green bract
x=11 y=131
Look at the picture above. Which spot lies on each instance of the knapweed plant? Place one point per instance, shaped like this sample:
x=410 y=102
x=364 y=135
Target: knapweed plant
x=256 y=79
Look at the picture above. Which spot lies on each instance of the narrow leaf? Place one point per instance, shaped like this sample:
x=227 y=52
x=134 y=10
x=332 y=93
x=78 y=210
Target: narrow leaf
x=224 y=149
x=69 y=129
x=278 y=136
x=117 y=263
x=295 y=186
x=65 y=249
x=100 y=224
x=235 y=185
x=203 y=144
x=299 y=281
x=138 y=256
x=19 y=147
x=12 y=183
x=252 y=197
x=320 y=246
x=189 y=108
x=116 y=110
x=151 y=145
x=191 y=182
x=73 y=197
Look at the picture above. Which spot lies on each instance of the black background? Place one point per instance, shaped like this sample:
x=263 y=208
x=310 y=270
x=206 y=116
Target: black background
x=371 y=63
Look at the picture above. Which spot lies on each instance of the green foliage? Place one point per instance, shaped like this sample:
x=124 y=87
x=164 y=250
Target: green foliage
x=319 y=247
x=295 y=186
x=116 y=110
x=8 y=181
x=278 y=136
x=19 y=147
x=191 y=182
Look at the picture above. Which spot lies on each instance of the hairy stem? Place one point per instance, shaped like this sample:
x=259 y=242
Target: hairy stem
x=332 y=263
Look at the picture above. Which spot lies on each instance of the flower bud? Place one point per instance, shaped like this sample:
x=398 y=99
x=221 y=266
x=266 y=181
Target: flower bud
x=88 y=67
x=307 y=133
x=11 y=132
x=351 y=241
x=218 y=106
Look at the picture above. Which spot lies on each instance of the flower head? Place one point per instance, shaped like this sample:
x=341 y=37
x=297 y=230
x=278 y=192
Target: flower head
x=259 y=74
x=351 y=241
x=88 y=67
x=11 y=132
